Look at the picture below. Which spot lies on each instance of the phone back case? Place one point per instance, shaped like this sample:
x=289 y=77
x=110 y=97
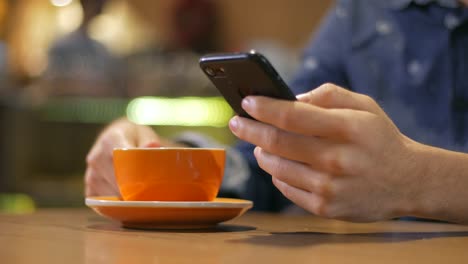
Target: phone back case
x=237 y=75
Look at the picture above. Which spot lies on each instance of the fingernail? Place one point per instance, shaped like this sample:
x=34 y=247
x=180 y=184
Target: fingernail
x=275 y=180
x=152 y=144
x=303 y=97
x=257 y=151
x=247 y=103
x=234 y=124
x=300 y=96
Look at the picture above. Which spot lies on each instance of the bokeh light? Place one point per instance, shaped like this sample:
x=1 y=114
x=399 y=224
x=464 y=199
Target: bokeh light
x=185 y=111
x=69 y=18
x=61 y=3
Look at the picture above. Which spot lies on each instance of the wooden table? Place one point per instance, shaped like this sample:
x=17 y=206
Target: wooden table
x=81 y=236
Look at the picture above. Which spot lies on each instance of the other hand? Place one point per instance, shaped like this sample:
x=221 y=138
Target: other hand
x=99 y=176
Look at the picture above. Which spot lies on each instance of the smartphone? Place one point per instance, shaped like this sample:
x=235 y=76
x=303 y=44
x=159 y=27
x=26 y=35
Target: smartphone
x=237 y=75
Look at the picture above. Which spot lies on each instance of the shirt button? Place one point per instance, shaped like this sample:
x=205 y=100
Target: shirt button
x=414 y=68
x=383 y=27
x=341 y=12
x=311 y=63
x=451 y=21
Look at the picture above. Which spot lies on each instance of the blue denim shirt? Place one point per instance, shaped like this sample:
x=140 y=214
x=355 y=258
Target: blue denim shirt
x=410 y=56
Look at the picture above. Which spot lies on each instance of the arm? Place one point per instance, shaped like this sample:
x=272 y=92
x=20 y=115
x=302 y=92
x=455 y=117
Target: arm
x=337 y=154
x=443 y=192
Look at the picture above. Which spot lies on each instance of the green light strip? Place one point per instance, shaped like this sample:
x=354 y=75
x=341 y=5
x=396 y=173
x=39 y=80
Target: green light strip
x=184 y=111
x=16 y=203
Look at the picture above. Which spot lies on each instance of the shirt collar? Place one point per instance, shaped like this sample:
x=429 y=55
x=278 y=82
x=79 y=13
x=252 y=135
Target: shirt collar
x=402 y=4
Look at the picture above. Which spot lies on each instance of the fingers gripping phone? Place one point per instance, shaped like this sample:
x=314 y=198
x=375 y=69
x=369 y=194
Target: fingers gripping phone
x=237 y=75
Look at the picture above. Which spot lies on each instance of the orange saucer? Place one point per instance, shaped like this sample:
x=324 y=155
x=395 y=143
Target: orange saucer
x=168 y=215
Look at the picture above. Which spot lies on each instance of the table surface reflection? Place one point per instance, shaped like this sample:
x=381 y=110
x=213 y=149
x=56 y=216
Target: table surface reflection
x=81 y=236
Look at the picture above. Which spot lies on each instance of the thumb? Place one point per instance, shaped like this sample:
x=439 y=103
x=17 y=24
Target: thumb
x=332 y=96
x=152 y=144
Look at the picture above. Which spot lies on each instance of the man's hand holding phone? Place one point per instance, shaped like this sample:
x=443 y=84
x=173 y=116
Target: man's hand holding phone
x=334 y=152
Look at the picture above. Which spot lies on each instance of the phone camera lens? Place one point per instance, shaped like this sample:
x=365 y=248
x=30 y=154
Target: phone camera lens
x=210 y=71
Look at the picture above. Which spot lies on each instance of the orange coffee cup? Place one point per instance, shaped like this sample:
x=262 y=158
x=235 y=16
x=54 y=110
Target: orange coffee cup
x=169 y=174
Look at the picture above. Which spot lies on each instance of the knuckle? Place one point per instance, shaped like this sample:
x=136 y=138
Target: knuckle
x=323 y=201
x=331 y=88
x=351 y=129
x=369 y=104
x=340 y=161
x=91 y=179
x=279 y=169
x=336 y=161
x=93 y=156
x=321 y=208
x=91 y=159
x=369 y=101
x=328 y=86
x=285 y=117
x=110 y=140
x=325 y=208
x=329 y=92
x=273 y=139
x=283 y=188
x=286 y=190
x=323 y=189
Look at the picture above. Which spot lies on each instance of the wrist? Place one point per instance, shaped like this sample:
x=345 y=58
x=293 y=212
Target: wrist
x=413 y=178
x=434 y=181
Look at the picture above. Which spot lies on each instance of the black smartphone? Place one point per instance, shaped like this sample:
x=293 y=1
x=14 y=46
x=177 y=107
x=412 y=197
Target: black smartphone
x=237 y=75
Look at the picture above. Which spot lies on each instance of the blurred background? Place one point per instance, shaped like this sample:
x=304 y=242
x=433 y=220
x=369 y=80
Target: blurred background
x=69 y=67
